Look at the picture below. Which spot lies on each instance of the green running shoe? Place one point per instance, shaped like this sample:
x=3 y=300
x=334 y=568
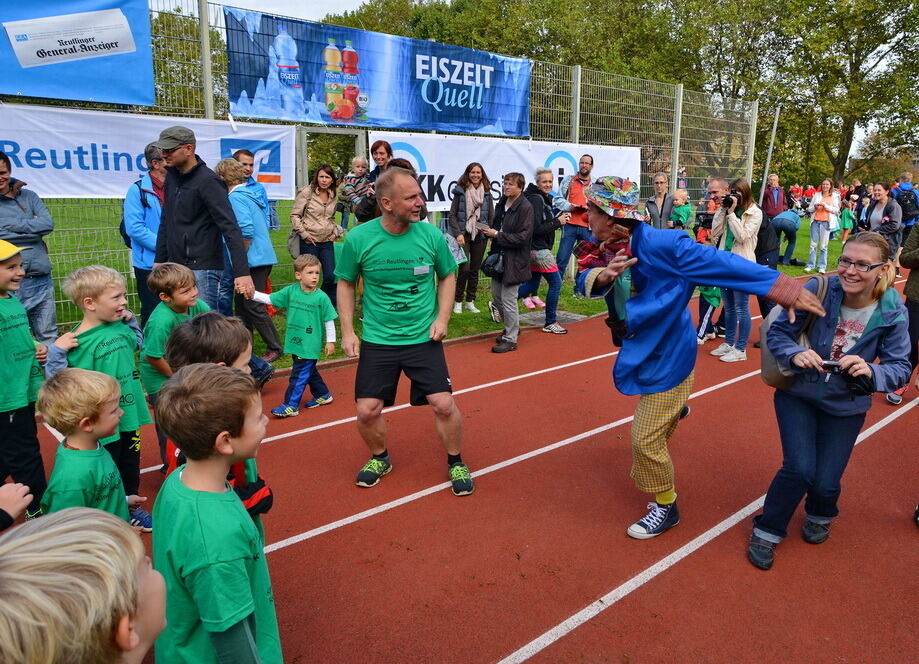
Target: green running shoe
x=461 y=479
x=372 y=471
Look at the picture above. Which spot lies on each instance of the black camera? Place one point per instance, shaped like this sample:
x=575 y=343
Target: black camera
x=831 y=366
x=726 y=201
x=704 y=219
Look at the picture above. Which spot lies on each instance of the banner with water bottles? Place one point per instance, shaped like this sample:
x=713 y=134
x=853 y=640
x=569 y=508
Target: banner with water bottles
x=92 y=50
x=286 y=69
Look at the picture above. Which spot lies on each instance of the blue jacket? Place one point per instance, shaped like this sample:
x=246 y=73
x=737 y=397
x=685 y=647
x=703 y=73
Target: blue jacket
x=142 y=223
x=885 y=338
x=258 y=187
x=252 y=215
x=25 y=221
x=659 y=347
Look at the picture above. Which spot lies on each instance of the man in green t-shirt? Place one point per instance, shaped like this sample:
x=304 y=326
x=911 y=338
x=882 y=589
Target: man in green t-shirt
x=409 y=277
x=209 y=550
x=175 y=288
x=21 y=376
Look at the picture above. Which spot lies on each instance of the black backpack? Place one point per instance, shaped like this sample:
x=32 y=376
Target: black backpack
x=121 y=227
x=908 y=203
x=766 y=238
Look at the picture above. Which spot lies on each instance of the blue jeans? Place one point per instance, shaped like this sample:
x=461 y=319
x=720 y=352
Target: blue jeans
x=571 y=235
x=148 y=301
x=787 y=228
x=820 y=235
x=531 y=287
x=736 y=318
x=226 y=289
x=208 y=282
x=815 y=451
x=37 y=297
x=325 y=252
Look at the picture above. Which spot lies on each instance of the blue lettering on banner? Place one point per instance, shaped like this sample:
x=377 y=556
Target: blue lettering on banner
x=267 y=156
x=95 y=157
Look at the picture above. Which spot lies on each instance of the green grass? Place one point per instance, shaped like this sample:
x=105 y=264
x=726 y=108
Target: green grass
x=86 y=232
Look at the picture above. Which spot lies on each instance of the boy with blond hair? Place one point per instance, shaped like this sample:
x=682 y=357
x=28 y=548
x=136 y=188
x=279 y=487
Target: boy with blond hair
x=208 y=548
x=309 y=313
x=76 y=586
x=21 y=376
x=105 y=341
x=83 y=405
x=175 y=287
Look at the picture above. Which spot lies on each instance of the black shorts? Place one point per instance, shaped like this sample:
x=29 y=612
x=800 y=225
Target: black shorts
x=379 y=366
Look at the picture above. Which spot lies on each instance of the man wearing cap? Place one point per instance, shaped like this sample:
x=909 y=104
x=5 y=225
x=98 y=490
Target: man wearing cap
x=196 y=217
x=25 y=221
x=142 y=208
x=21 y=377
x=647 y=277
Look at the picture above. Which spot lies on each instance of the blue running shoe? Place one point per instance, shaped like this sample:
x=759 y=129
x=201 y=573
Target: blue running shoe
x=319 y=401
x=141 y=519
x=285 y=411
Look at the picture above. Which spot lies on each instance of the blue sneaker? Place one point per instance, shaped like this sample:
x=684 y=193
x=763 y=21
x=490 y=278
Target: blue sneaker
x=319 y=401
x=141 y=519
x=285 y=411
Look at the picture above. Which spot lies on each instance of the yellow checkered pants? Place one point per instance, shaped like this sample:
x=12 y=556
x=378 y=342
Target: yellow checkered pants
x=655 y=420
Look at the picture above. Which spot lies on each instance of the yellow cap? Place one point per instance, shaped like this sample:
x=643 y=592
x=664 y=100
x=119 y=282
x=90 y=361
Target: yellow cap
x=8 y=250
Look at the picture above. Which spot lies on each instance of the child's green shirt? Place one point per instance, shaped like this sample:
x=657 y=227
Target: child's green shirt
x=159 y=326
x=85 y=478
x=20 y=373
x=307 y=314
x=210 y=552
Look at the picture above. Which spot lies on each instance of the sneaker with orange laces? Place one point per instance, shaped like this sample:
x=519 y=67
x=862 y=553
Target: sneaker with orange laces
x=896 y=397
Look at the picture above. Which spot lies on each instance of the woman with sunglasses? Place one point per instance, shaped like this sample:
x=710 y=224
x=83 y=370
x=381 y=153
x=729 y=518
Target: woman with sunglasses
x=822 y=413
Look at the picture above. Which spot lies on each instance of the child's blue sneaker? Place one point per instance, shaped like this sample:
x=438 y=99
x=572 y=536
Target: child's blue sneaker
x=285 y=411
x=320 y=401
x=141 y=519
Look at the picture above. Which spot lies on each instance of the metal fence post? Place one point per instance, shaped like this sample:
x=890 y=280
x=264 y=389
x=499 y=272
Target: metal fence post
x=576 y=105
x=360 y=144
x=207 y=78
x=775 y=124
x=301 y=158
x=677 y=126
x=754 y=116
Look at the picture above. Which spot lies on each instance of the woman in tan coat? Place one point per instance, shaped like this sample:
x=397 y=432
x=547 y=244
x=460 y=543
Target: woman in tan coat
x=313 y=219
x=737 y=235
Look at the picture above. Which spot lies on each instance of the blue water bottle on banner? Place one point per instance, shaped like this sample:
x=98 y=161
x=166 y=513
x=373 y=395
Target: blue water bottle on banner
x=285 y=49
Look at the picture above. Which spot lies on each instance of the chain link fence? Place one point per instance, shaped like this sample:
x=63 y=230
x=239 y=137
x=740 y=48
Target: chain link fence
x=700 y=135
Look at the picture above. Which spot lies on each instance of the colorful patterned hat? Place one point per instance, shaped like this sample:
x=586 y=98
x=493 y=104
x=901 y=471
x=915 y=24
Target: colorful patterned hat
x=615 y=196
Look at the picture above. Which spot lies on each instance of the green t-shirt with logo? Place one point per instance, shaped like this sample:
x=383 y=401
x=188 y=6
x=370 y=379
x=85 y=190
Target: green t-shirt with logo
x=400 y=275
x=109 y=348
x=159 y=326
x=85 y=478
x=307 y=314
x=20 y=373
x=210 y=552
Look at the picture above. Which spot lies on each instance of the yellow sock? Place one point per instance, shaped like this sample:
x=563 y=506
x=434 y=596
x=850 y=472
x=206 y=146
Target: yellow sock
x=665 y=497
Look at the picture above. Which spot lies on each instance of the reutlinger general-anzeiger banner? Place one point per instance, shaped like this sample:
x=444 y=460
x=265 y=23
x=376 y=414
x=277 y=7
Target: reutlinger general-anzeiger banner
x=286 y=69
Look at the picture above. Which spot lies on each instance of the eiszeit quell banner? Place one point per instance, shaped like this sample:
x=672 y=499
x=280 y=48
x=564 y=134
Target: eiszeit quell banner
x=297 y=70
x=440 y=160
x=92 y=50
x=64 y=153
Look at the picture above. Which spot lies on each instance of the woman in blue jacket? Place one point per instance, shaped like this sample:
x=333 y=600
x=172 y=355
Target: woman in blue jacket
x=141 y=214
x=822 y=413
x=252 y=215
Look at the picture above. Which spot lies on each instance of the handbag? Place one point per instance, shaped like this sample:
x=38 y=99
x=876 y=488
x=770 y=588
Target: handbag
x=293 y=244
x=493 y=265
x=775 y=374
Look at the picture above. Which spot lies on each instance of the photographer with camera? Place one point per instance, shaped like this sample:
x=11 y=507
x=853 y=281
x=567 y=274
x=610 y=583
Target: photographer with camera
x=822 y=413
x=738 y=236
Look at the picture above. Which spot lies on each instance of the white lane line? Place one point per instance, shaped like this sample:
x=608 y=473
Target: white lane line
x=385 y=507
x=542 y=642
x=54 y=432
x=474 y=388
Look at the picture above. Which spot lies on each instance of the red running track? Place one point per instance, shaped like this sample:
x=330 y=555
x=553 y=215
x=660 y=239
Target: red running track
x=407 y=572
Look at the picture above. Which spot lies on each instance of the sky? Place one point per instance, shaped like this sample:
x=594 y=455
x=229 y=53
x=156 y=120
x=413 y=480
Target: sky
x=310 y=10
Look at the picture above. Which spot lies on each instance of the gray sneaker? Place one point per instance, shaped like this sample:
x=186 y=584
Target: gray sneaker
x=815 y=533
x=372 y=471
x=554 y=328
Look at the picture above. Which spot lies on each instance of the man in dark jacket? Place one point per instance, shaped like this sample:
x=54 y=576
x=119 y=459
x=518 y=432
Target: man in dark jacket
x=777 y=200
x=511 y=234
x=196 y=217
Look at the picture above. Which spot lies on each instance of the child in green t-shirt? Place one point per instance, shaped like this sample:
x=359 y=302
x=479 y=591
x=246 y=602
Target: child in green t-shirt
x=177 y=290
x=83 y=406
x=106 y=341
x=681 y=214
x=78 y=587
x=206 y=546
x=21 y=376
x=309 y=312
